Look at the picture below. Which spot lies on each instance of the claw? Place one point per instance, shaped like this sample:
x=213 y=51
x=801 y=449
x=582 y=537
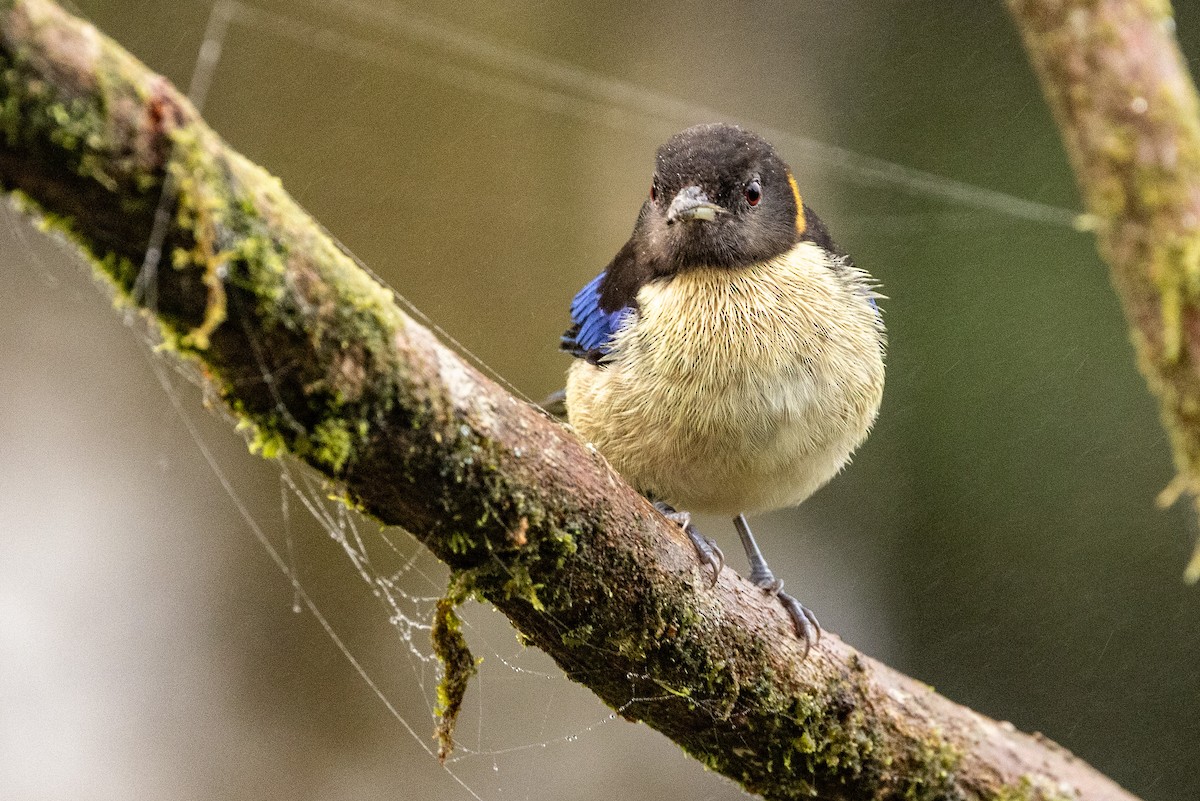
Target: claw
x=807 y=626
x=681 y=519
x=768 y=582
x=706 y=548
x=804 y=621
x=708 y=552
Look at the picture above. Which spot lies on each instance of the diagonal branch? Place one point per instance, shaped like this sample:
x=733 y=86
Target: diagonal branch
x=1127 y=109
x=311 y=352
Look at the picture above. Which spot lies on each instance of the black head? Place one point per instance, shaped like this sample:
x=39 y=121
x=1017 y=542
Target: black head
x=721 y=197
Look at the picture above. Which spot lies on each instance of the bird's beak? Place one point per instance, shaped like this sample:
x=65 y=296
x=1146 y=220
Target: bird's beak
x=692 y=204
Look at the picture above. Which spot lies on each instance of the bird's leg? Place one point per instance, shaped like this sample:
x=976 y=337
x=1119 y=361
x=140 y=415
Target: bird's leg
x=807 y=627
x=706 y=548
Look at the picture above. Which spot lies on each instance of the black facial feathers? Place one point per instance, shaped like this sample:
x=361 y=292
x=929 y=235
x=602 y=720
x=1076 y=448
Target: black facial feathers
x=722 y=198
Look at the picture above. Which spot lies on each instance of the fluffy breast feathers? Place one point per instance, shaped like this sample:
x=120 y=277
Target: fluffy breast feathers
x=737 y=390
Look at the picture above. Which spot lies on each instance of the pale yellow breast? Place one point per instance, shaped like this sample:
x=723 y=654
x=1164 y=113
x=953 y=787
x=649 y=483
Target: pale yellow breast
x=737 y=390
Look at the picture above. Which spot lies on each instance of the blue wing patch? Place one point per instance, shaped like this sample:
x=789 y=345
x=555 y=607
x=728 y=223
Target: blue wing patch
x=590 y=335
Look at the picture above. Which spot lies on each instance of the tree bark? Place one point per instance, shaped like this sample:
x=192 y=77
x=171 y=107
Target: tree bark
x=1127 y=110
x=312 y=354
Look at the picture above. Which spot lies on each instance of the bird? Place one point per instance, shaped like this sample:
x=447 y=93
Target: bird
x=730 y=357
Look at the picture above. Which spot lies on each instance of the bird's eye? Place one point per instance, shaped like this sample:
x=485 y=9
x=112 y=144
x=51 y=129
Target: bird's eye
x=753 y=192
x=654 y=192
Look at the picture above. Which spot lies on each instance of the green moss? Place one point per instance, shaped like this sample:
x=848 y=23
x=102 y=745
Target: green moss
x=833 y=740
x=233 y=227
x=266 y=443
x=579 y=636
x=32 y=114
x=931 y=774
x=202 y=209
x=502 y=521
x=822 y=744
x=333 y=444
x=513 y=572
x=1027 y=790
x=520 y=585
x=459 y=665
x=460 y=543
x=330 y=445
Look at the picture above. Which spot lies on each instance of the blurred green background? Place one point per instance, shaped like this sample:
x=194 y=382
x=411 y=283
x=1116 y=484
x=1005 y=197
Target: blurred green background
x=996 y=537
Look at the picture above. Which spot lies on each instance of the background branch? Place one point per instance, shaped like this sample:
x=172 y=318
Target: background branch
x=312 y=353
x=1127 y=110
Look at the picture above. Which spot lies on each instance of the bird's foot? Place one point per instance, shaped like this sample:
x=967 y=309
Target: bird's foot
x=706 y=548
x=808 y=628
x=804 y=621
x=681 y=519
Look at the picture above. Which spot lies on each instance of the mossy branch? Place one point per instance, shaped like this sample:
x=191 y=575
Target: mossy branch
x=311 y=353
x=1127 y=109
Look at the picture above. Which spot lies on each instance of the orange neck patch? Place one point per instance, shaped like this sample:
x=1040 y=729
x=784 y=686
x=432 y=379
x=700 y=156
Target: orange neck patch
x=801 y=223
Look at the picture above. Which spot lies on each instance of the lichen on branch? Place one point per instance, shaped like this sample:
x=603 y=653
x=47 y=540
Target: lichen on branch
x=1128 y=113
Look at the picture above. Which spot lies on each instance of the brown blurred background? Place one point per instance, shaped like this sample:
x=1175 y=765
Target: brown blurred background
x=996 y=537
